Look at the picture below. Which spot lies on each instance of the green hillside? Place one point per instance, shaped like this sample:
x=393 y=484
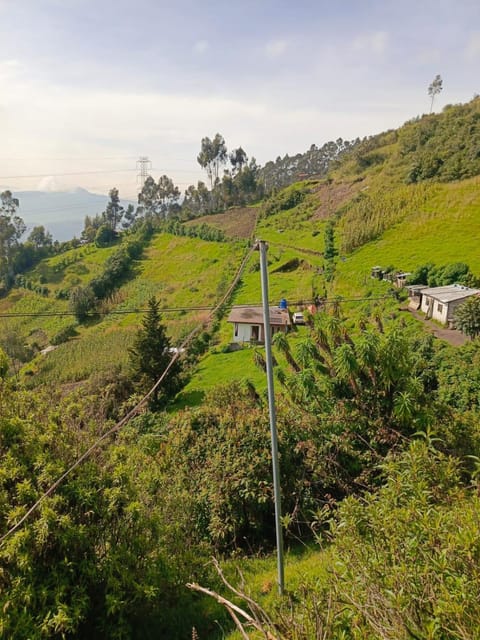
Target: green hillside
x=383 y=213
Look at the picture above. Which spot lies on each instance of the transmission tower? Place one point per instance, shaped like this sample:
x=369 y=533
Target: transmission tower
x=144 y=167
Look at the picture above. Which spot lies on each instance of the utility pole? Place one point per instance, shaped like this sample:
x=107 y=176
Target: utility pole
x=261 y=246
x=144 y=166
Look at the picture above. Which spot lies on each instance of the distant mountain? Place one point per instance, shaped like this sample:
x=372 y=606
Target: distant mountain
x=60 y=212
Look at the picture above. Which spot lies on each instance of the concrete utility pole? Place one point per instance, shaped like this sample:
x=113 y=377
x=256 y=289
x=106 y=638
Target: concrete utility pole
x=261 y=246
x=144 y=166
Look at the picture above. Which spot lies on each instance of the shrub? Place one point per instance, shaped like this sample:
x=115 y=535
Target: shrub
x=64 y=334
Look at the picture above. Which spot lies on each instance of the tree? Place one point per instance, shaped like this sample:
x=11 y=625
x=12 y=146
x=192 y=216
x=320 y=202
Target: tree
x=114 y=211
x=158 y=200
x=434 y=89
x=12 y=228
x=238 y=158
x=40 y=238
x=167 y=195
x=150 y=356
x=129 y=217
x=197 y=200
x=467 y=317
x=82 y=301
x=213 y=154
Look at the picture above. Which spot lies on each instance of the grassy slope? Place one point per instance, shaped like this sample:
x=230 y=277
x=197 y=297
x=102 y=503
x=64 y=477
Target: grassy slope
x=445 y=229
x=180 y=271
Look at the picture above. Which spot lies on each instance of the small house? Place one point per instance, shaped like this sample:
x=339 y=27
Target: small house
x=248 y=324
x=400 y=279
x=439 y=303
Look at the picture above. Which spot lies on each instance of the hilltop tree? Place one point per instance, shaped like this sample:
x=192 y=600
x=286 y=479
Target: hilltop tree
x=196 y=201
x=114 y=211
x=158 y=199
x=150 y=356
x=434 y=89
x=238 y=158
x=213 y=154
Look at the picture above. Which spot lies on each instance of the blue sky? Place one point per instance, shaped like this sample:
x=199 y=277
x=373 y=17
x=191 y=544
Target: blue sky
x=87 y=87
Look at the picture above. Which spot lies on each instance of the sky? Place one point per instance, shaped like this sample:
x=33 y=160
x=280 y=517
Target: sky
x=87 y=87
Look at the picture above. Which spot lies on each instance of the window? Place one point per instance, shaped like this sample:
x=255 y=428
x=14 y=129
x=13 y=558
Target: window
x=236 y=330
x=439 y=307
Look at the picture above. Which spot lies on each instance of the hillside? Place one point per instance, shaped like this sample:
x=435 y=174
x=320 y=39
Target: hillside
x=380 y=217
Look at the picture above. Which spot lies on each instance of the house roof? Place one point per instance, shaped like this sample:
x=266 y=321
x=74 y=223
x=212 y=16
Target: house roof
x=254 y=315
x=449 y=293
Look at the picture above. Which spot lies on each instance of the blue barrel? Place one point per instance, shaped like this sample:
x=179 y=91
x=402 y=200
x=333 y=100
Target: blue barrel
x=283 y=304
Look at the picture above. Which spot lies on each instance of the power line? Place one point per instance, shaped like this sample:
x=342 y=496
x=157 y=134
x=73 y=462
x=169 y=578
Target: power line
x=131 y=414
x=297 y=303
x=72 y=173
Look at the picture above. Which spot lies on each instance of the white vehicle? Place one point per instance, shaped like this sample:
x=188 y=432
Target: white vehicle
x=298 y=318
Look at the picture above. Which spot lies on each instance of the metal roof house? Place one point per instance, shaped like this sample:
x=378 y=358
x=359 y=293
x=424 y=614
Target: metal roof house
x=248 y=325
x=440 y=303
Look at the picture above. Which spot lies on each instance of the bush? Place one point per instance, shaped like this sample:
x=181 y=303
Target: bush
x=64 y=335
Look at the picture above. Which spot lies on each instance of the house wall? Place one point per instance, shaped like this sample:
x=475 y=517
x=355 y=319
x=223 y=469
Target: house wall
x=441 y=311
x=425 y=303
x=243 y=332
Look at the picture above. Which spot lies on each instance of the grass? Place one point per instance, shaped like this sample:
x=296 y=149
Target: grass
x=296 y=284
x=218 y=368
x=306 y=565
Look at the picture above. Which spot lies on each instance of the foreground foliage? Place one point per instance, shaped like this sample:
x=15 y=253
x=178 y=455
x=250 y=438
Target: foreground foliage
x=404 y=562
x=95 y=559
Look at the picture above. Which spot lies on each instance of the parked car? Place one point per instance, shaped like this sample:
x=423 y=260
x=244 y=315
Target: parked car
x=298 y=318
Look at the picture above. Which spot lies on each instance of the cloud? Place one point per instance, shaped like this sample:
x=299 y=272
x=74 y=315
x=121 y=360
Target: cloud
x=49 y=183
x=275 y=48
x=201 y=46
x=9 y=70
x=376 y=42
x=472 y=50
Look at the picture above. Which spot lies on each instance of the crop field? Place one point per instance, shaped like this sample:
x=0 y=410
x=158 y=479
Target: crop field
x=98 y=351
x=237 y=222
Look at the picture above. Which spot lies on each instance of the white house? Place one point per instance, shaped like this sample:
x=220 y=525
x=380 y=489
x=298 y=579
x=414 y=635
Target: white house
x=248 y=325
x=440 y=303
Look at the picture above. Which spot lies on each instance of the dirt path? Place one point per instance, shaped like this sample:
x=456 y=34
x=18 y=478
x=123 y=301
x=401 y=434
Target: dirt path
x=452 y=336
